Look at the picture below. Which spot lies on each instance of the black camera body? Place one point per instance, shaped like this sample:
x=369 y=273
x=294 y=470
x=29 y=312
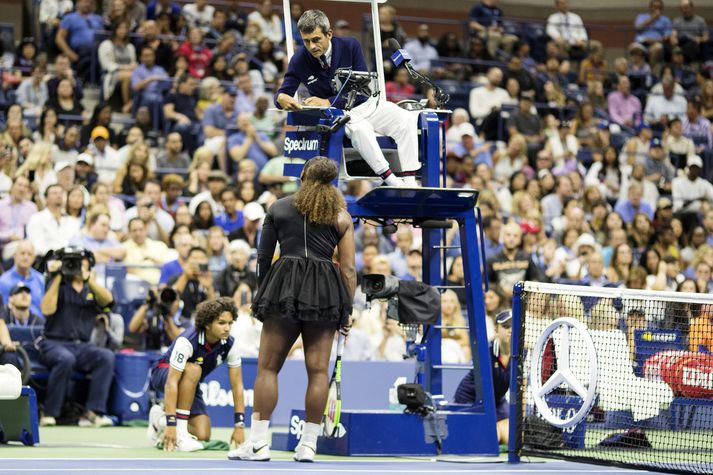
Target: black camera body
x=382 y=287
x=161 y=303
x=71 y=258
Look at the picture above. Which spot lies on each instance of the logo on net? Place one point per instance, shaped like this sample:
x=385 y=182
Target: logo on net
x=301 y=145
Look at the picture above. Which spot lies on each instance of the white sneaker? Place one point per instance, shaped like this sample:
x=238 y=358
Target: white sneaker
x=304 y=453
x=248 y=451
x=102 y=421
x=188 y=444
x=157 y=423
x=410 y=181
x=48 y=421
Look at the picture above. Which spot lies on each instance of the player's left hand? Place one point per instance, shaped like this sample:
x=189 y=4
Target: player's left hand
x=317 y=101
x=237 y=438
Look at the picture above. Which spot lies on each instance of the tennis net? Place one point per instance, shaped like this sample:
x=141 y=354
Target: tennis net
x=613 y=376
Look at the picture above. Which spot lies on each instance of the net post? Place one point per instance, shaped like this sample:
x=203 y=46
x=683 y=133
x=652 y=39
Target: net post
x=515 y=406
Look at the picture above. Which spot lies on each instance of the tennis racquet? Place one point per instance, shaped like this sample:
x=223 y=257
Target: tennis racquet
x=333 y=411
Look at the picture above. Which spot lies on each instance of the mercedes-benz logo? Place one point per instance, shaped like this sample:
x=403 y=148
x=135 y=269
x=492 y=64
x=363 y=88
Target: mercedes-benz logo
x=563 y=374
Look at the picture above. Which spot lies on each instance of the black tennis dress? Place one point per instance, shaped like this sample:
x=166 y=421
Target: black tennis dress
x=304 y=284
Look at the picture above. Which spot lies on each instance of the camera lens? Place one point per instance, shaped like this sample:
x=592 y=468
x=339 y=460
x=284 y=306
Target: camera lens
x=378 y=285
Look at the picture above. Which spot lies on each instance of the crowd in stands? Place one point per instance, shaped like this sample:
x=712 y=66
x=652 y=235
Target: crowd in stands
x=588 y=172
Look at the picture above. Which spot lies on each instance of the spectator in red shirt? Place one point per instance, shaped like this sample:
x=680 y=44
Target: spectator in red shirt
x=196 y=53
x=400 y=88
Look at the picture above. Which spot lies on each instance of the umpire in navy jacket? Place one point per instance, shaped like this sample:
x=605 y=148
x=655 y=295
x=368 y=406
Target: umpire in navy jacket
x=315 y=65
x=71 y=306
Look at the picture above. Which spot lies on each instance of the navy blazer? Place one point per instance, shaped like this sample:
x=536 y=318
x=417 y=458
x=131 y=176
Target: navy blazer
x=306 y=69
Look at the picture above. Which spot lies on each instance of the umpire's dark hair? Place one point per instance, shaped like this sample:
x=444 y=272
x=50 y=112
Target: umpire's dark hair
x=209 y=311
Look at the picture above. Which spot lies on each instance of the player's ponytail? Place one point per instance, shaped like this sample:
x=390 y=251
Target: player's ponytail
x=317 y=198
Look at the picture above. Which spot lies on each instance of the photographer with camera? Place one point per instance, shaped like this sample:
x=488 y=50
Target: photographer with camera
x=159 y=319
x=71 y=305
x=195 y=283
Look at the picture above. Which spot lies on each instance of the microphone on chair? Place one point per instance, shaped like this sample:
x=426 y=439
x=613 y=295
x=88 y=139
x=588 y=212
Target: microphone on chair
x=400 y=57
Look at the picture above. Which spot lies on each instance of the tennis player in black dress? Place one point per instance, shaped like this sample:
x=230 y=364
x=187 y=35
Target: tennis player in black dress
x=303 y=293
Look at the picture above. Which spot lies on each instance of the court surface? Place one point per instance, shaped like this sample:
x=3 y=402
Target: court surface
x=122 y=450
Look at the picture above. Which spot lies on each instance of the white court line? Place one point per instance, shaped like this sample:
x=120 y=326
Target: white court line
x=310 y=470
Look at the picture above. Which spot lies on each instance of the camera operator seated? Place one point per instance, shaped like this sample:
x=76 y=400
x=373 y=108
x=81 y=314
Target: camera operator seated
x=71 y=305
x=195 y=283
x=236 y=272
x=159 y=319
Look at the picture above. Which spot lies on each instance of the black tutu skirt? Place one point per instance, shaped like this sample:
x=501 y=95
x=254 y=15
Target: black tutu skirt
x=303 y=289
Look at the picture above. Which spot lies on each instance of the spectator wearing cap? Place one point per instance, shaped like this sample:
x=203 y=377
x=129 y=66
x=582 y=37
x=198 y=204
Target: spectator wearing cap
x=181 y=108
x=459 y=118
x=51 y=228
x=253 y=213
x=237 y=273
x=83 y=171
x=20 y=310
x=248 y=143
x=217 y=181
x=658 y=167
x=106 y=158
x=668 y=105
x=217 y=118
x=624 y=108
x=471 y=147
x=689 y=32
x=690 y=191
x=15 y=211
x=144 y=251
x=75 y=36
x=653 y=29
x=22 y=273
x=696 y=127
x=634 y=204
x=146 y=79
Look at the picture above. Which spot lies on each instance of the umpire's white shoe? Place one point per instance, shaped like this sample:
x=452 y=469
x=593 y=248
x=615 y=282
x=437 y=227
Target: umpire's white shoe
x=304 y=453
x=157 y=424
x=188 y=443
x=249 y=451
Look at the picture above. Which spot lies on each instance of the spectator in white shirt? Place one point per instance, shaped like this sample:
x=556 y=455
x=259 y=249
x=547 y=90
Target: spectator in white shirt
x=270 y=23
x=691 y=191
x=198 y=14
x=566 y=28
x=660 y=108
x=160 y=223
x=489 y=98
x=142 y=251
x=421 y=50
x=51 y=228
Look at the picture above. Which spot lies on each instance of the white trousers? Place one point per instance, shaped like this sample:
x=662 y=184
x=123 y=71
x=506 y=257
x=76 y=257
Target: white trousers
x=378 y=116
